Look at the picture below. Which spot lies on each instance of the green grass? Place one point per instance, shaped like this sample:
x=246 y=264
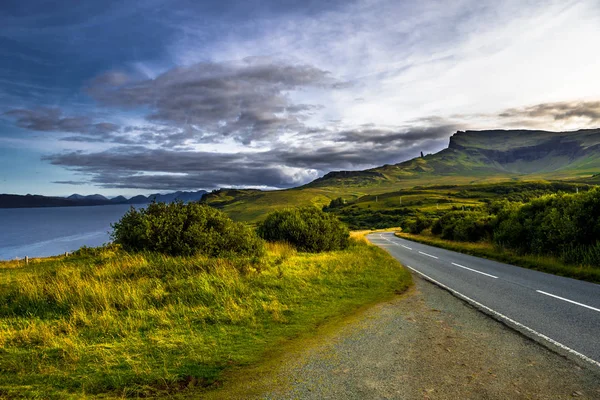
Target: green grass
x=113 y=324
x=392 y=209
x=487 y=250
x=254 y=205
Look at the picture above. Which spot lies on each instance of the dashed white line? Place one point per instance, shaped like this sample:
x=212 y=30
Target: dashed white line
x=509 y=320
x=570 y=301
x=428 y=255
x=474 y=270
x=397 y=244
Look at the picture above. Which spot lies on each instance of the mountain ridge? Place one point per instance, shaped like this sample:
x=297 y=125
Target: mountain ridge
x=75 y=200
x=472 y=157
x=493 y=153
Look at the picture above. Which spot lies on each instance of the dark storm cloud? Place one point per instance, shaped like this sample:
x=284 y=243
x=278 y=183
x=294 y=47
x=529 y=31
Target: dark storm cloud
x=53 y=120
x=79 y=183
x=247 y=100
x=556 y=111
x=352 y=157
x=282 y=166
x=136 y=167
x=371 y=134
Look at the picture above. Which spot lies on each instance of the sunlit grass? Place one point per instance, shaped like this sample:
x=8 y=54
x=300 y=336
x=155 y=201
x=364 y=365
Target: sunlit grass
x=144 y=324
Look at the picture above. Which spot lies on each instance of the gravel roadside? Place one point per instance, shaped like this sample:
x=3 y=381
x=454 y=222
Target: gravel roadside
x=425 y=344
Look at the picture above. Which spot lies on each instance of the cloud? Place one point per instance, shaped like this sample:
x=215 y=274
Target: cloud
x=589 y=110
x=247 y=100
x=52 y=120
x=382 y=136
x=281 y=166
x=138 y=167
x=77 y=183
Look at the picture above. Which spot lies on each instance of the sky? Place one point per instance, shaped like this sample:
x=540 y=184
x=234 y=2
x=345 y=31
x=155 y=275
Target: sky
x=128 y=97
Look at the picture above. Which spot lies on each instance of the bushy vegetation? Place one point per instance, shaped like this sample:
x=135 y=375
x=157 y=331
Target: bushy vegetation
x=463 y=226
x=180 y=229
x=306 y=228
x=417 y=225
x=565 y=225
x=335 y=203
x=104 y=322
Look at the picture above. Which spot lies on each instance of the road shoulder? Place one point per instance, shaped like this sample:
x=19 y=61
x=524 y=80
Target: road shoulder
x=425 y=344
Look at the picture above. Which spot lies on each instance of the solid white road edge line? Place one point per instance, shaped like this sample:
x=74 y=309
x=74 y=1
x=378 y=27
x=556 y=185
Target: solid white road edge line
x=428 y=255
x=509 y=320
x=474 y=270
x=570 y=301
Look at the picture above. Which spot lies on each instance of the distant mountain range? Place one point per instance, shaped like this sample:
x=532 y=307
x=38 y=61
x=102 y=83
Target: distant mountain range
x=19 y=201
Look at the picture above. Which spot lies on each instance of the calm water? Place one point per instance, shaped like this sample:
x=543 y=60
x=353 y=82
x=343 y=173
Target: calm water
x=37 y=232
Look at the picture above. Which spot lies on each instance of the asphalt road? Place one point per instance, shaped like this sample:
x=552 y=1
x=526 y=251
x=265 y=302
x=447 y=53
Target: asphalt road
x=559 y=312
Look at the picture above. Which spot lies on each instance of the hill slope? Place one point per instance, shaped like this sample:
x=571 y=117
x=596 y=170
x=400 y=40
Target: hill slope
x=471 y=157
x=483 y=156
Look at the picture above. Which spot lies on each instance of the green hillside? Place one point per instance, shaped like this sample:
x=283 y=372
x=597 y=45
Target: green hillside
x=472 y=157
x=484 y=156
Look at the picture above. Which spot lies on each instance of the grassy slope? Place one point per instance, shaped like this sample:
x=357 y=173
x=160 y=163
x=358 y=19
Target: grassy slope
x=390 y=209
x=115 y=324
x=463 y=164
x=488 y=250
x=254 y=205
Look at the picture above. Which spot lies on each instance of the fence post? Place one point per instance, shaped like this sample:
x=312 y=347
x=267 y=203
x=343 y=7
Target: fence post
x=27 y=260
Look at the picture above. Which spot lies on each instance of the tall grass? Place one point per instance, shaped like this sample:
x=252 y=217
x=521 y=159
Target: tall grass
x=108 y=322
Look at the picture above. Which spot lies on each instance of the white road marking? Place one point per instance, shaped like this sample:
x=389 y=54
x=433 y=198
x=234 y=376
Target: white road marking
x=474 y=270
x=397 y=244
x=428 y=255
x=509 y=320
x=570 y=301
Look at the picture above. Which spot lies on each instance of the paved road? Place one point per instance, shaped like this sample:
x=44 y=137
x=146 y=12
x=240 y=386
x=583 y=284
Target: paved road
x=562 y=313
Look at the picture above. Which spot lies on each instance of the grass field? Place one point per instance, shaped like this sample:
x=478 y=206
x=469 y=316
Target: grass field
x=433 y=196
x=386 y=210
x=488 y=250
x=106 y=323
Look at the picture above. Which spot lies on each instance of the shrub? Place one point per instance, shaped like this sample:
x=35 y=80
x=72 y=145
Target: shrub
x=464 y=226
x=417 y=225
x=335 y=203
x=307 y=228
x=552 y=224
x=185 y=229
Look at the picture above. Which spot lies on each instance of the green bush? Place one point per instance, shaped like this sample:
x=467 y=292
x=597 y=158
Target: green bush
x=307 y=228
x=463 y=226
x=335 y=203
x=564 y=225
x=417 y=225
x=185 y=229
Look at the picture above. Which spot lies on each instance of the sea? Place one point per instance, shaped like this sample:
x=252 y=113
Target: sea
x=48 y=231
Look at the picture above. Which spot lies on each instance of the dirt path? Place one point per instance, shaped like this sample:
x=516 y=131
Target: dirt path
x=425 y=344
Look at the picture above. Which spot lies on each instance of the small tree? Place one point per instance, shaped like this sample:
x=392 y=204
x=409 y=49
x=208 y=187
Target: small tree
x=335 y=203
x=307 y=228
